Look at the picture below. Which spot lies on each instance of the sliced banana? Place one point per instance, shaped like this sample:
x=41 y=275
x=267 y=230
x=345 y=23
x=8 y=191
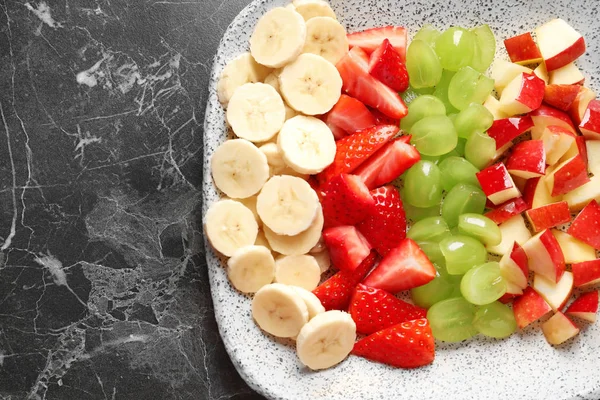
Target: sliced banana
x=261 y=240
x=290 y=112
x=302 y=271
x=256 y=112
x=311 y=84
x=319 y=247
x=229 y=226
x=279 y=310
x=326 y=340
x=300 y=243
x=287 y=205
x=323 y=259
x=239 y=71
x=250 y=202
x=273 y=79
x=275 y=160
x=278 y=37
x=327 y=38
x=306 y=144
x=313 y=304
x=239 y=169
x=250 y=268
x=313 y=8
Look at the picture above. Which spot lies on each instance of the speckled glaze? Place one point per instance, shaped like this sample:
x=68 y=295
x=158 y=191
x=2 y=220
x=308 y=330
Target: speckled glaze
x=521 y=367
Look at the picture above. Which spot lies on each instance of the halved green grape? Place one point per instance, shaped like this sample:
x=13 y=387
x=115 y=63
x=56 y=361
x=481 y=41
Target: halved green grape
x=421 y=107
x=434 y=136
x=462 y=253
x=457 y=170
x=431 y=229
x=495 y=320
x=481 y=228
x=434 y=159
x=428 y=34
x=409 y=95
x=425 y=90
x=422 y=184
x=474 y=118
x=480 y=149
x=451 y=320
x=432 y=251
x=440 y=288
x=455 y=47
x=460 y=147
x=415 y=214
x=469 y=86
x=483 y=284
x=462 y=198
x=441 y=91
x=423 y=65
x=485 y=48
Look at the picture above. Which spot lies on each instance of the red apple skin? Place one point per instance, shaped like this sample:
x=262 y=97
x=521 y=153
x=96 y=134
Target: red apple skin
x=586 y=303
x=506 y=129
x=522 y=49
x=549 y=216
x=508 y=297
x=586 y=273
x=586 y=226
x=494 y=179
x=529 y=307
x=555 y=252
x=519 y=256
x=545 y=116
x=580 y=105
x=590 y=123
x=569 y=176
x=580 y=141
x=566 y=56
x=528 y=157
x=505 y=211
x=561 y=96
x=532 y=91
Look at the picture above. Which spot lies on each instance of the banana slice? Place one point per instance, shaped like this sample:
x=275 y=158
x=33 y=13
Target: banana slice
x=287 y=205
x=290 y=112
x=313 y=8
x=300 y=243
x=278 y=37
x=229 y=226
x=273 y=79
x=326 y=340
x=239 y=169
x=239 y=71
x=327 y=38
x=306 y=144
x=319 y=247
x=250 y=268
x=302 y=271
x=279 y=310
x=323 y=259
x=311 y=84
x=256 y=112
x=275 y=160
x=313 y=304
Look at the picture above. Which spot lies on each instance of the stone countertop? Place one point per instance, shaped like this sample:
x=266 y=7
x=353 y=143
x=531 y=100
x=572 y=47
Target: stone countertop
x=103 y=285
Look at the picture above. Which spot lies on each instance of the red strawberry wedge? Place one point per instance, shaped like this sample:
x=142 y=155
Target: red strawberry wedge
x=374 y=309
x=387 y=65
x=358 y=83
x=347 y=247
x=350 y=115
x=335 y=292
x=385 y=226
x=406 y=345
x=353 y=150
x=382 y=119
x=345 y=200
x=370 y=39
x=404 y=267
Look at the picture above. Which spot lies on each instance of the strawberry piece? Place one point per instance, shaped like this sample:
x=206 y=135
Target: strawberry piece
x=370 y=39
x=347 y=247
x=586 y=226
x=391 y=161
x=387 y=65
x=338 y=133
x=507 y=210
x=406 y=345
x=353 y=150
x=404 y=267
x=382 y=119
x=374 y=309
x=345 y=200
x=350 y=115
x=358 y=83
x=335 y=292
x=385 y=226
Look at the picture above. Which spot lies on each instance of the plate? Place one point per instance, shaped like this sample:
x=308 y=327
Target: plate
x=521 y=367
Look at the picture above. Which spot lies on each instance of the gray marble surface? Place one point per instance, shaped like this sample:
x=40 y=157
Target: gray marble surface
x=103 y=286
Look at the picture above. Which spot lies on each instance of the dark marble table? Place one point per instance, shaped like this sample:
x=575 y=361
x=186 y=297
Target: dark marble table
x=103 y=287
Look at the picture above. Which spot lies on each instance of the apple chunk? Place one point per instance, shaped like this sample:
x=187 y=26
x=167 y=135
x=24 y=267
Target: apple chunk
x=583 y=195
x=529 y=307
x=522 y=95
x=537 y=193
x=493 y=106
x=586 y=273
x=586 y=226
x=561 y=96
x=557 y=142
x=559 y=43
x=503 y=72
x=574 y=250
x=514 y=267
x=497 y=184
x=513 y=230
x=545 y=256
x=567 y=75
x=593 y=156
x=546 y=116
x=504 y=130
x=549 y=216
x=584 y=307
x=555 y=294
x=522 y=49
x=581 y=103
x=528 y=160
x=567 y=176
x=507 y=210
x=559 y=328
x=590 y=123
x=541 y=72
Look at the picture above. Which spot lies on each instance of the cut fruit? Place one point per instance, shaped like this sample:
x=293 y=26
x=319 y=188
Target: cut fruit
x=546 y=116
x=345 y=200
x=559 y=329
x=559 y=43
x=522 y=49
x=347 y=247
x=529 y=307
x=507 y=129
x=370 y=39
x=513 y=230
x=350 y=115
x=497 y=184
x=574 y=250
x=567 y=75
x=528 y=160
x=503 y=72
x=584 y=307
x=507 y=210
x=590 y=122
x=549 y=216
x=586 y=226
x=567 y=176
x=583 y=195
x=555 y=294
x=545 y=256
x=514 y=267
x=561 y=96
x=522 y=95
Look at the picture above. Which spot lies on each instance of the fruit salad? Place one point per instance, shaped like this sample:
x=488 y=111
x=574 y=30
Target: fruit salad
x=381 y=194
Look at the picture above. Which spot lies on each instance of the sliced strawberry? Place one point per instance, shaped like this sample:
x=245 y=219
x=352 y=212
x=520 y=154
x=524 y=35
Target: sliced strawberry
x=345 y=200
x=385 y=226
x=347 y=247
x=370 y=39
x=335 y=292
x=404 y=267
x=391 y=161
x=387 y=65
x=505 y=211
x=374 y=309
x=382 y=119
x=353 y=150
x=350 y=115
x=406 y=345
x=358 y=83
x=338 y=132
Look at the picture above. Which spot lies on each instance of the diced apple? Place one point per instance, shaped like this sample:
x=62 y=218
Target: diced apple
x=586 y=226
x=557 y=141
x=580 y=104
x=567 y=176
x=584 y=307
x=555 y=294
x=546 y=116
x=574 y=250
x=497 y=184
x=577 y=148
x=559 y=328
x=529 y=307
x=493 y=106
x=507 y=210
x=583 y=195
x=522 y=49
x=513 y=230
x=559 y=43
x=514 y=267
x=512 y=292
x=528 y=160
x=503 y=72
x=522 y=95
x=590 y=122
x=567 y=75
x=537 y=193
x=593 y=156
x=541 y=72
x=549 y=216
x=504 y=130
x=586 y=273
x=561 y=96
x=545 y=256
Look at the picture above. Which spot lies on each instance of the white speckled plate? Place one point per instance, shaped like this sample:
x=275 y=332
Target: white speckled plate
x=521 y=367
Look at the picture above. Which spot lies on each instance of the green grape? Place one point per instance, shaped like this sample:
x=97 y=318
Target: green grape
x=481 y=228
x=457 y=170
x=461 y=199
x=409 y=95
x=451 y=320
x=455 y=47
x=469 y=86
x=423 y=65
x=480 y=149
x=495 y=320
x=415 y=214
x=441 y=91
x=432 y=251
x=462 y=253
x=434 y=136
x=431 y=229
x=483 y=284
x=474 y=118
x=428 y=34
x=424 y=91
x=460 y=146
x=440 y=288
x=484 y=50
x=434 y=159
x=421 y=107
x=422 y=184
